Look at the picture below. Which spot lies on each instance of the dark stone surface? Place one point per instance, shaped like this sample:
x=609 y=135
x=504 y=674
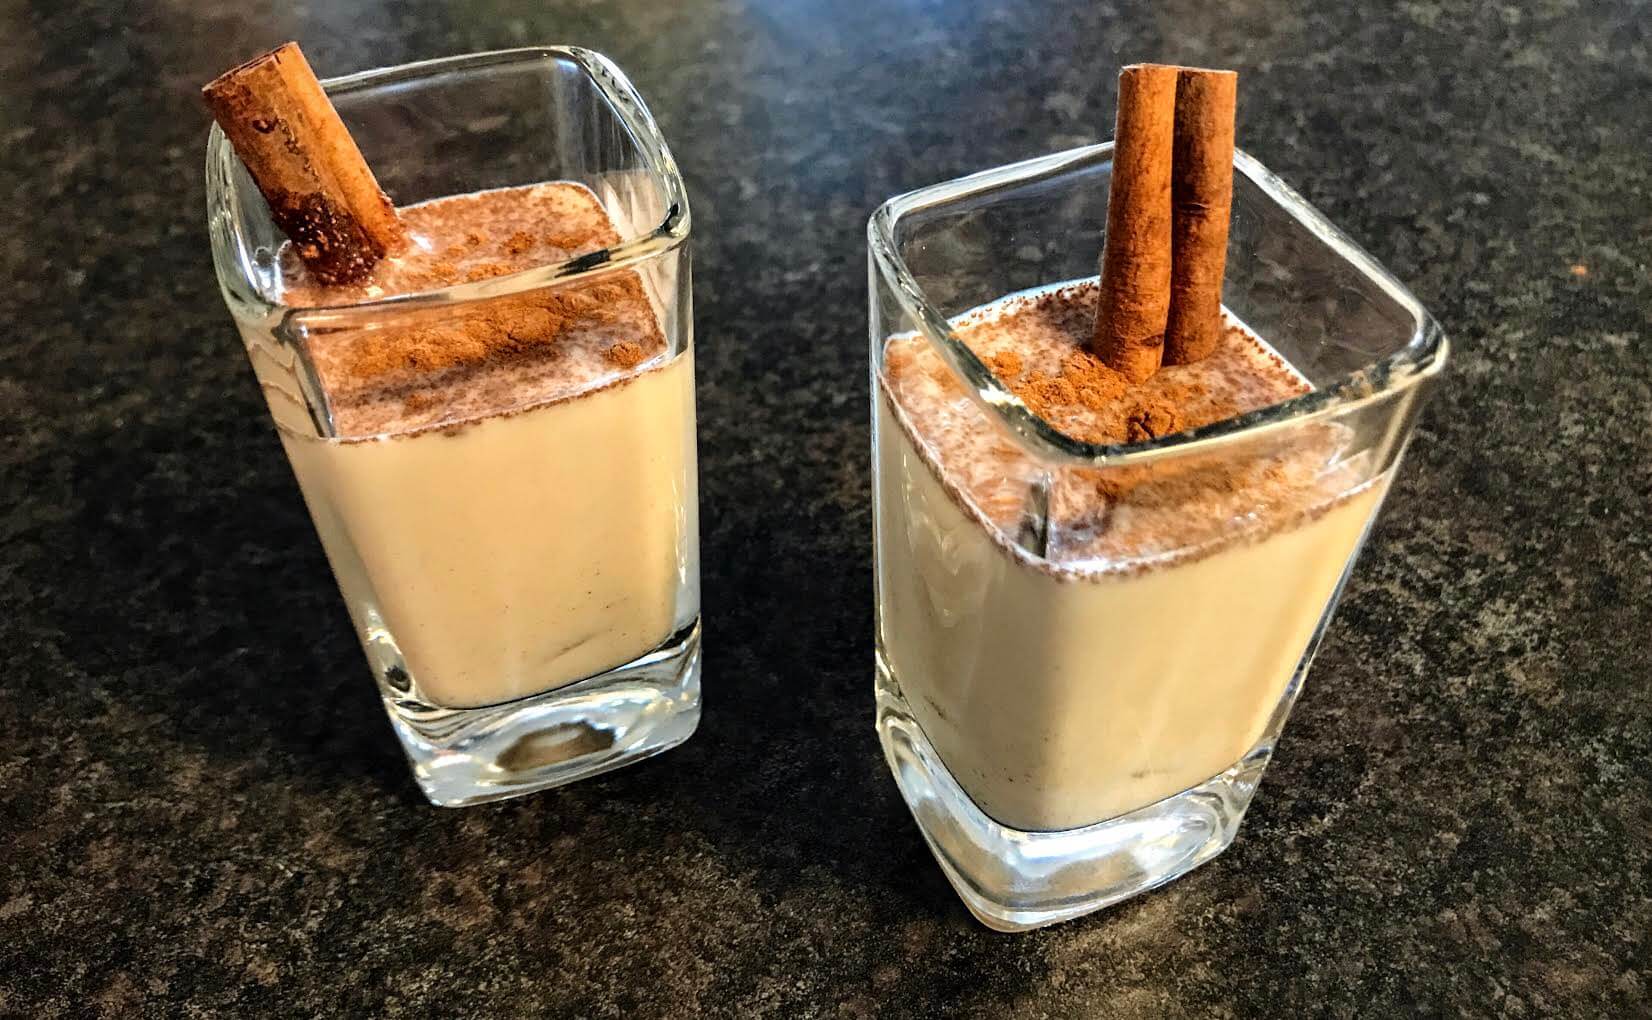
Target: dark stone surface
x=203 y=812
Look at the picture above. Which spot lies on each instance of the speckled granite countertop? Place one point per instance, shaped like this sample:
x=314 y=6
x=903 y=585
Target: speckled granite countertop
x=202 y=809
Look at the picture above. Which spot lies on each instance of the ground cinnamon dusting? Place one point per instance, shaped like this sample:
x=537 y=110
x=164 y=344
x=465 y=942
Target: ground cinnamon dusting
x=1035 y=345
x=487 y=271
x=556 y=239
x=424 y=367
x=1006 y=365
x=625 y=354
x=480 y=234
x=1080 y=394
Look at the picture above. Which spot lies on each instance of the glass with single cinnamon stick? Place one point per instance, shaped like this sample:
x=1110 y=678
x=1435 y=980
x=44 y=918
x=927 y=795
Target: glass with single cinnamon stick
x=1105 y=559
x=485 y=390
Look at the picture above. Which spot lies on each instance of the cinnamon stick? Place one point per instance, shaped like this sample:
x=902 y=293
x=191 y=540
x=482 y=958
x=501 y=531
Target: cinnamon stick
x=1201 y=196
x=320 y=190
x=1134 y=304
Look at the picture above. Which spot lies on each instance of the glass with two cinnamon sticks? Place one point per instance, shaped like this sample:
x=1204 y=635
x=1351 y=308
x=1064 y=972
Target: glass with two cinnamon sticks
x=1113 y=511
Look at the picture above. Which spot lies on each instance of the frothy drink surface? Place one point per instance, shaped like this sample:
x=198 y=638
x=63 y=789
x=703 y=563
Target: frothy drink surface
x=1035 y=345
x=1145 y=645
x=510 y=501
x=418 y=369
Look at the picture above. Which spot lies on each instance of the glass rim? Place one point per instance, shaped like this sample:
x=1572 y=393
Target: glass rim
x=609 y=80
x=1422 y=358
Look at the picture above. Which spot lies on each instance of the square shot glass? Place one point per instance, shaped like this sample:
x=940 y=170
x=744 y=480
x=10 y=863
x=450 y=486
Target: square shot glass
x=1067 y=729
x=522 y=571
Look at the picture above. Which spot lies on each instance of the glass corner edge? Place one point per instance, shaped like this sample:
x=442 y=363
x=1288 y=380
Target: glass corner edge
x=1424 y=353
x=618 y=88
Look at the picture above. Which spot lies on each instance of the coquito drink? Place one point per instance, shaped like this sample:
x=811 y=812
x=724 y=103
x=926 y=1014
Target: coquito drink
x=1143 y=650
x=487 y=397
x=510 y=492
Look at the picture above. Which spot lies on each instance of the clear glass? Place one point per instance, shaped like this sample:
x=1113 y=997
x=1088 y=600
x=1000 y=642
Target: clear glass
x=1069 y=728
x=522 y=571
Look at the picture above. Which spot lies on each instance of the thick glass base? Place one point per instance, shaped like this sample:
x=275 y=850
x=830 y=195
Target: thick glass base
x=1015 y=881
x=474 y=755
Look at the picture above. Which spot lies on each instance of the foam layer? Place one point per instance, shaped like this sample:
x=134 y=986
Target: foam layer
x=422 y=368
x=1035 y=344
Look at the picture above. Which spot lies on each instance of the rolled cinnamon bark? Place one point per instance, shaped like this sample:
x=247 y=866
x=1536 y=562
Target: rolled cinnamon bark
x=1201 y=198
x=1134 y=304
x=320 y=190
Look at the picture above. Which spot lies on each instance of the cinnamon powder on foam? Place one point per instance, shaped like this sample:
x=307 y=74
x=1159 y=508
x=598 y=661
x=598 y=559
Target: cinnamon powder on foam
x=1035 y=346
x=420 y=368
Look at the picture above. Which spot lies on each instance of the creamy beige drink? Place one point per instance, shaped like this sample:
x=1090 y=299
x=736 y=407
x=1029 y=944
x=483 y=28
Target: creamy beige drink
x=1144 y=648
x=510 y=498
